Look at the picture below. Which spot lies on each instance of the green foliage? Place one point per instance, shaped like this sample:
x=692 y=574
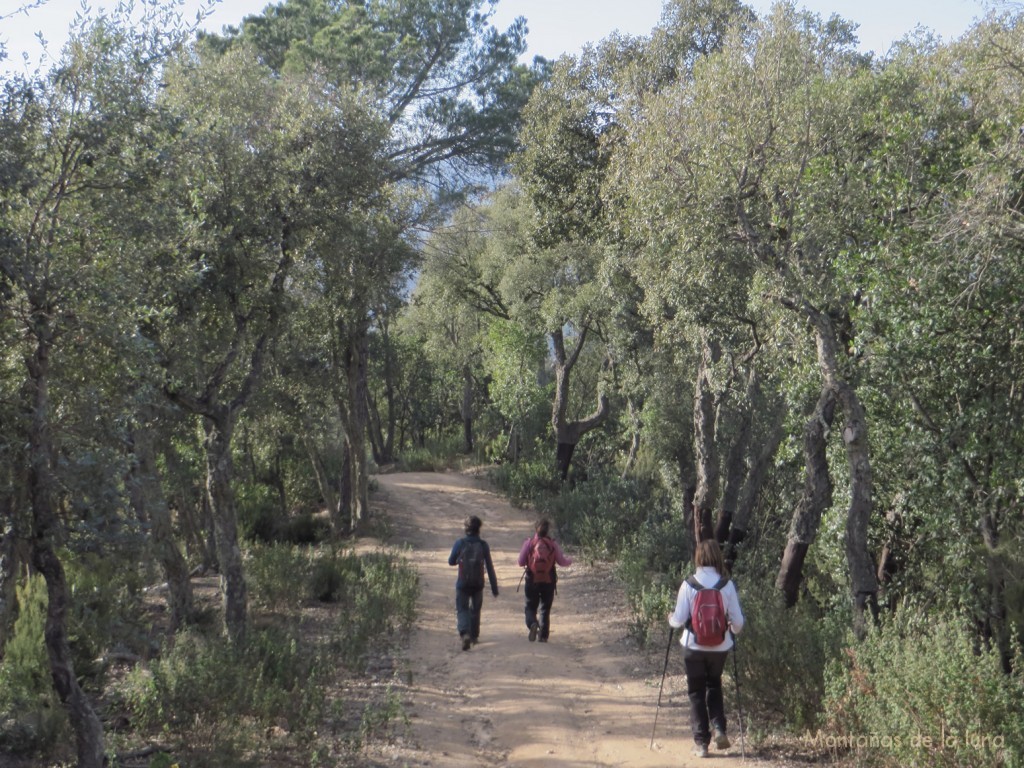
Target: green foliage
x=223 y=696
x=651 y=565
x=783 y=653
x=378 y=595
x=105 y=609
x=435 y=456
x=162 y=760
x=605 y=514
x=31 y=716
x=378 y=718
x=526 y=482
x=272 y=572
x=920 y=691
x=650 y=603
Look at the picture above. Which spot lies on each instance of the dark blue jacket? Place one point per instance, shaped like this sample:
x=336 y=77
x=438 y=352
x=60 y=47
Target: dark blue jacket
x=453 y=559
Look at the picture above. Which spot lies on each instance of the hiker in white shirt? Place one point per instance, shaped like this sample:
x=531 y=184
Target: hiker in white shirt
x=704 y=661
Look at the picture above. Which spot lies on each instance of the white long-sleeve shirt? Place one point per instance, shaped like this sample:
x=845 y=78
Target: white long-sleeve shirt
x=707 y=577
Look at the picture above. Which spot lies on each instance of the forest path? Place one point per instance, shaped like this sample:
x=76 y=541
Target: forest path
x=586 y=698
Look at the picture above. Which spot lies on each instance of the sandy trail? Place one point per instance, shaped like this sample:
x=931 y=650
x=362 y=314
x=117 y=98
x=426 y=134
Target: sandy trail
x=586 y=698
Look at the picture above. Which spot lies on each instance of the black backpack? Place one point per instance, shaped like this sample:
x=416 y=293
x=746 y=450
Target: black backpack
x=471 y=564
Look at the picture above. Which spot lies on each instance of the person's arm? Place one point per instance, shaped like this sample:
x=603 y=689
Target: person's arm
x=733 y=612
x=524 y=553
x=560 y=557
x=453 y=558
x=490 y=570
x=681 y=614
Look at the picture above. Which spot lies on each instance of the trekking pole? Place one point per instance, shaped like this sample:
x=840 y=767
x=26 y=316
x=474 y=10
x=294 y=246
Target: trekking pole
x=668 y=650
x=739 y=702
x=521 y=580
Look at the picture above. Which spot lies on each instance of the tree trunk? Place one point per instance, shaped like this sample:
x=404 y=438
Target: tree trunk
x=705 y=449
x=466 y=409
x=375 y=432
x=45 y=530
x=634 y=441
x=151 y=504
x=345 y=491
x=996 y=625
x=512 y=449
x=218 y=429
x=736 y=463
x=14 y=558
x=855 y=437
x=858 y=556
x=563 y=458
x=568 y=433
x=816 y=498
x=757 y=470
x=323 y=482
x=357 y=434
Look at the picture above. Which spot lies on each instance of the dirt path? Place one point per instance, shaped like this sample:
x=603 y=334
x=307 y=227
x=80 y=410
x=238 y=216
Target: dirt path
x=586 y=698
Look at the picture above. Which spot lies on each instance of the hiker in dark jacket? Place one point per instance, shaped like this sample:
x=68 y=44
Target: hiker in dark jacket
x=473 y=556
x=540 y=587
x=704 y=663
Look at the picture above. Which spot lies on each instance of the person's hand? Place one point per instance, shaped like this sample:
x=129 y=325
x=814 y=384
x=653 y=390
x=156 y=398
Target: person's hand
x=494 y=591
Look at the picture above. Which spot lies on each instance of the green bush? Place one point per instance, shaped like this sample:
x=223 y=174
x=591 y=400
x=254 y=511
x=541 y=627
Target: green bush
x=378 y=595
x=920 y=691
x=31 y=715
x=526 y=482
x=783 y=652
x=651 y=566
x=105 y=610
x=650 y=603
x=259 y=512
x=379 y=717
x=223 y=696
x=436 y=455
x=273 y=570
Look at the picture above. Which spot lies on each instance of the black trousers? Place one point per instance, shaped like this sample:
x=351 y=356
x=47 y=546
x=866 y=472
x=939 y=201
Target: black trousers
x=704 y=687
x=467 y=612
x=539 y=598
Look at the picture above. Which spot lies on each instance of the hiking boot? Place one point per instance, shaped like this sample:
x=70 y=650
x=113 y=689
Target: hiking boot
x=700 y=750
x=475 y=640
x=533 y=631
x=721 y=740
x=466 y=642
x=543 y=639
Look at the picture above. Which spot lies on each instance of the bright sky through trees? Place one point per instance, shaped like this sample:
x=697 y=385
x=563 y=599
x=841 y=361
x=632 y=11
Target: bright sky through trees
x=556 y=26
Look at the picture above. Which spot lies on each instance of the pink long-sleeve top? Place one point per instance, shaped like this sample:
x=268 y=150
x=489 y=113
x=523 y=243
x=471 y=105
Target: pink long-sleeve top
x=560 y=557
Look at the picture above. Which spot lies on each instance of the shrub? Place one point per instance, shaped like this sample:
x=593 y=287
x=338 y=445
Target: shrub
x=273 y=570
x=31 y=715
x=436 y=455
x=526 y=482
x=259 y=511
x=921 y=692
x=105 y=610
x=783 y=652
x=223 y=696
x=379 y=598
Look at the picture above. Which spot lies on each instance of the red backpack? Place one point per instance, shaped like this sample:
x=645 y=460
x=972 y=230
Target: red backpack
x=708 y=621
x=541 y=560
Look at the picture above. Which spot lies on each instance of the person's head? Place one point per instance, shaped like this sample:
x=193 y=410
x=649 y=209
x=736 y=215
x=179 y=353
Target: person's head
x=709 y=555
x=542 y=527
x=472 y=525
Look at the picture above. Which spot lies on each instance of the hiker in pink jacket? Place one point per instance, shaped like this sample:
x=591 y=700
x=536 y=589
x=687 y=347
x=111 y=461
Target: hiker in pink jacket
x=539 y=556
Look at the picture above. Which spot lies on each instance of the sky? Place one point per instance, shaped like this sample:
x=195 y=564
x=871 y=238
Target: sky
x=556 y=26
